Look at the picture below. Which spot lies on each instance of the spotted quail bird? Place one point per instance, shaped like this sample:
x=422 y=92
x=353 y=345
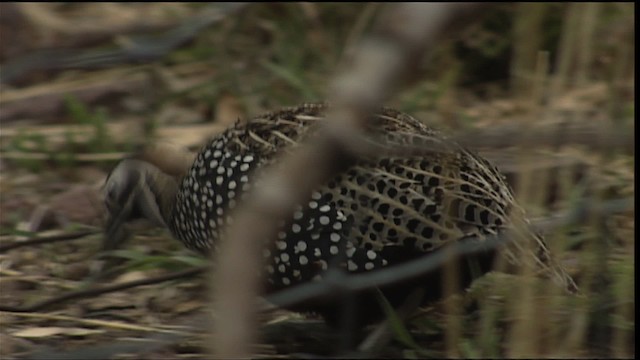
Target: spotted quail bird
x=380 y=212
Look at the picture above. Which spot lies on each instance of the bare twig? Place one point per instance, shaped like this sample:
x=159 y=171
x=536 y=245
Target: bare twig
x=596 y=136
x=45 y=240
x=378 y=68
x=105 y=289
x=47 y=100
x=138 y=50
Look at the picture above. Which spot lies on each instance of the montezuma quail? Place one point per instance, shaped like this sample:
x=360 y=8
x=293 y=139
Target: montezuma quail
x=381 y=212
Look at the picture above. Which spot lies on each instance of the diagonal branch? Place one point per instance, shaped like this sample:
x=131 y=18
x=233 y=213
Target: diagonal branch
x=378 y=68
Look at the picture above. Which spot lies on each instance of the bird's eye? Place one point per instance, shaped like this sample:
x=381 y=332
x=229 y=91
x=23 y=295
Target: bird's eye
x=110 y=198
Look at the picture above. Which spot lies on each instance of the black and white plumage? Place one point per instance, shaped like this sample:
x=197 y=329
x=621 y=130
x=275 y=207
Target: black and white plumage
x=379 y=212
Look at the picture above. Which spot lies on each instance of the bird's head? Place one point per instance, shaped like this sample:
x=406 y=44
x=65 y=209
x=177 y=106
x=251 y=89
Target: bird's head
x=136 y=189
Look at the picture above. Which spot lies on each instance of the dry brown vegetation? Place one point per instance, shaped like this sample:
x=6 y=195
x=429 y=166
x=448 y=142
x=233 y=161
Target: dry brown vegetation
x=67 y=114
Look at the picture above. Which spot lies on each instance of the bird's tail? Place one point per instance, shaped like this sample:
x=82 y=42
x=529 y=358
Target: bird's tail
x=529 y=248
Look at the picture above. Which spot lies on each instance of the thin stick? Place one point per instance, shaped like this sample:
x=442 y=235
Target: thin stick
x=102 y=290
x=46 y=240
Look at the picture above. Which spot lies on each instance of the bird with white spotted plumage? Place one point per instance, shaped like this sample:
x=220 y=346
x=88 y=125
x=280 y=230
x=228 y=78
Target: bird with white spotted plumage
x=377 y=213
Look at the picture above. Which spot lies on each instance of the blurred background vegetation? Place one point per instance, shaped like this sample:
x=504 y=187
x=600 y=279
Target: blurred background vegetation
x=82 y=84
